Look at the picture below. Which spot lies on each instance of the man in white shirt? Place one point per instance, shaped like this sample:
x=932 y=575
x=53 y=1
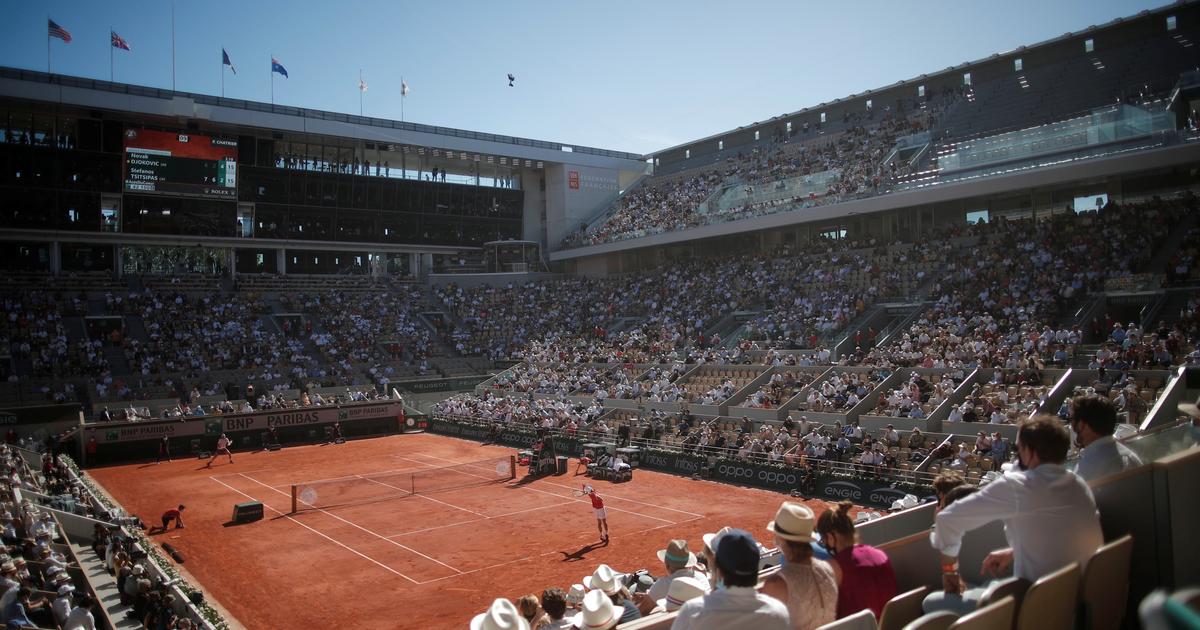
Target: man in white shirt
x=1094 y=419
x=1049 y=516
x=734 y=605
x=61 y=607
x=81 y=616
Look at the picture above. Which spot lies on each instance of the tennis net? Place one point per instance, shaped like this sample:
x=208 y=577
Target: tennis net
x=327 y=493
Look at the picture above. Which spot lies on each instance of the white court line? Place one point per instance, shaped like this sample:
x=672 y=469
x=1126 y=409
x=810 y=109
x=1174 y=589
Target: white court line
x=587 y=501
x=429 y=529
x=550 y=553
x=423 y=496
x=606 y=495
x=423 y=466
x=321 y=534
x=356 y=525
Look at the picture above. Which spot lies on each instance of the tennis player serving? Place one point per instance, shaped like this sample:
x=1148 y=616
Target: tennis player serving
x=601 y=513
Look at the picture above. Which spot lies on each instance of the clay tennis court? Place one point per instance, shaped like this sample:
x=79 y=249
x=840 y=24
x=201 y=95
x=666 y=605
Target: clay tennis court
x=424 y=560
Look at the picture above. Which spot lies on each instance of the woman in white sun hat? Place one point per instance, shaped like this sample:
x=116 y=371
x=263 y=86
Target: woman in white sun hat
x=682 y=590
x=609 y=582
x=598 y=613
x=501 y=615
x=805 y=584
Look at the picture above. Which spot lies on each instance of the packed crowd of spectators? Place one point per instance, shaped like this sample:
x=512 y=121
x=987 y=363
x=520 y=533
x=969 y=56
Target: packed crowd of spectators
x=854 y=157
x=918 y=396
x=375 y=327
x=32 y=325
x=997 y=307
x=842 y=391
x=779 y=389
x=39 y=586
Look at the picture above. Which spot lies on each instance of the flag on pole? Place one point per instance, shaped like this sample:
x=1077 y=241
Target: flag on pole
x=403 y=88
x=225 y=61
x=362 y=86
x=58 y=31
x=278 y=67
x=118 y=42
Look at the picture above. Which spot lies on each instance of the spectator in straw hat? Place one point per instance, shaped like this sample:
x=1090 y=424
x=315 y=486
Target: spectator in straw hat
x=679 y=562
x=682 y=591
x=734 y=605
x=806 y=585
x=501 y=615
x=606 y=580
x=598 y=612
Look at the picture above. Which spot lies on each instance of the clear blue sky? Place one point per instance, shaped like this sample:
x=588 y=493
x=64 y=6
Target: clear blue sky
x=634 y=75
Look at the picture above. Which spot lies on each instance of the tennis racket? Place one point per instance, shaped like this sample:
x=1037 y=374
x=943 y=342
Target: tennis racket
x=585 y=489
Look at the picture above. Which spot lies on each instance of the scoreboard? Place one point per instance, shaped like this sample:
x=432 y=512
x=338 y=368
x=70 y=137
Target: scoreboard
x=181 y=163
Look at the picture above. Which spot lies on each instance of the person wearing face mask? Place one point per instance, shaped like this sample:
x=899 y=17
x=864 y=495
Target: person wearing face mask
x=864 y=574
x=1049 y=515
x=1093 y=420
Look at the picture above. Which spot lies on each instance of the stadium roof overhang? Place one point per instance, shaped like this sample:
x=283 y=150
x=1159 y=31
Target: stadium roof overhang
x=237 y=113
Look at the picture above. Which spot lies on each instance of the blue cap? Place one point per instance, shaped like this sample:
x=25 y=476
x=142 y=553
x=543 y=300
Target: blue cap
x=737 y=553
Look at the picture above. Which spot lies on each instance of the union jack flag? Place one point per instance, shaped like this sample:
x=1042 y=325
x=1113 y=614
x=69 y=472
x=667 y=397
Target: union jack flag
x=117 y=42
x=58 y=31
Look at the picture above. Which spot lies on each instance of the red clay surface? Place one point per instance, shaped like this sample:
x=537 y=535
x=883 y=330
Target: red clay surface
x=419 y=561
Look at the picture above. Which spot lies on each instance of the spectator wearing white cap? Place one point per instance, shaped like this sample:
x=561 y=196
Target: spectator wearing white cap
x=735 y=605
x=708 y=555
x=62 y=604
x=606 y=580
x=575 y=596
x=679 y=562
x=806 y=585
x=501 y=615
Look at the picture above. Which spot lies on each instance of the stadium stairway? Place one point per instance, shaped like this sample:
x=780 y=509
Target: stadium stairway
x=1170 y=247
x=76 y=330
x=105 y=586
x=117 y=362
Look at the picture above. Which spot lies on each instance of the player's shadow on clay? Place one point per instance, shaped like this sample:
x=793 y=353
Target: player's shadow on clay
x=579 y=554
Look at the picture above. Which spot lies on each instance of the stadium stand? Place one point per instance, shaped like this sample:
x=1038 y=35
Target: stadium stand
x=894 y=343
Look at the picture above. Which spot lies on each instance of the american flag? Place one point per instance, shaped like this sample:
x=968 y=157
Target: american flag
x=117 y=42
x=58 y=31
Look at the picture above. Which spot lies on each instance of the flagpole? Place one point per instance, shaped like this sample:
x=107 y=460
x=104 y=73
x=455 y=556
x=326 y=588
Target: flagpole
x=402 y=97
x=111 y=74
x=172 y=46
x=222 y=73
x=360 y=92
x=47 y=43
x=272 y=78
